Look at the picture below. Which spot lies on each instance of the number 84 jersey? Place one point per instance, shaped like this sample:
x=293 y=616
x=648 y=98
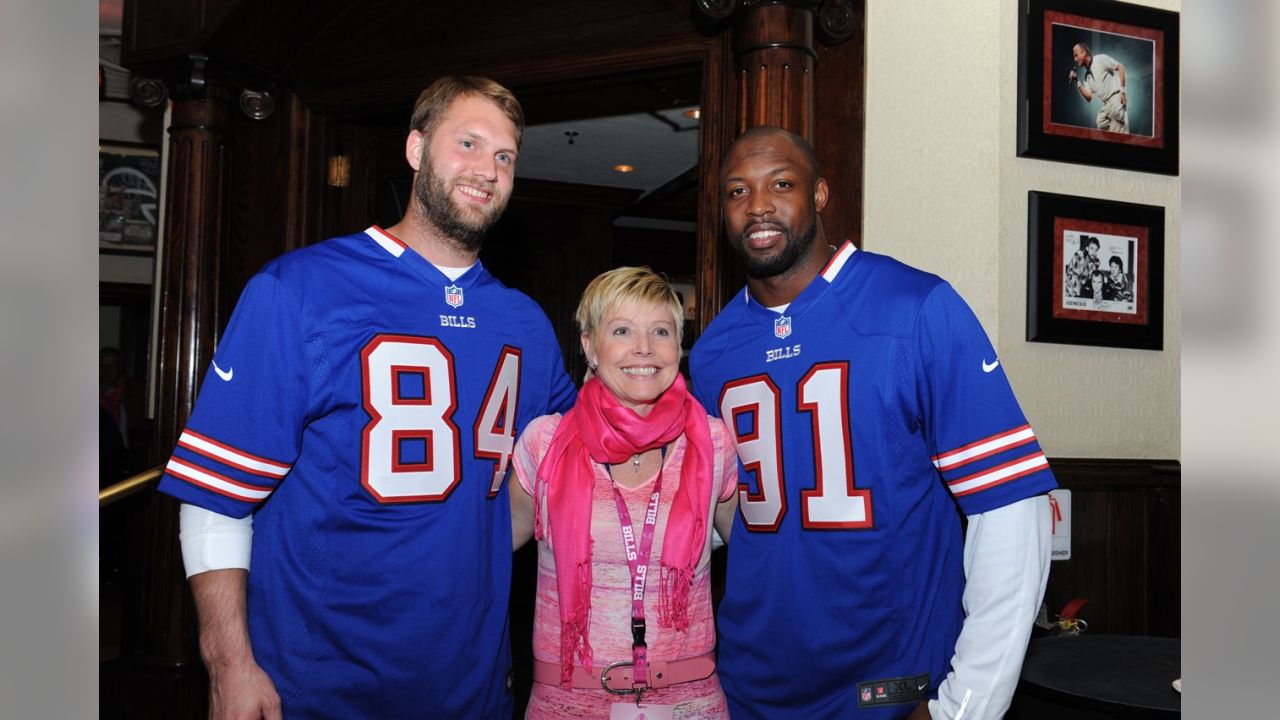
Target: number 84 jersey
x=865 y=414
x=365 y=407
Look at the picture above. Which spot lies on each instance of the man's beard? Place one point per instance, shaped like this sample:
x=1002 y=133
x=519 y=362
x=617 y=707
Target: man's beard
x=437 y=205
x=792 y=250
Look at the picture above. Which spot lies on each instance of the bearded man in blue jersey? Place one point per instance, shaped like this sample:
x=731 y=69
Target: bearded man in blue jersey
x=350 y=443
x=870 y=411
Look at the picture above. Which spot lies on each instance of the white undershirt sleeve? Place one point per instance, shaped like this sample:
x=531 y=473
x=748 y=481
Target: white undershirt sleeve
x=1006 y=565
x=211 y=541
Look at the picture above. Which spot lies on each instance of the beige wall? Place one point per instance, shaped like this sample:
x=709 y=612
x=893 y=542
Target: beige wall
x=946 y=192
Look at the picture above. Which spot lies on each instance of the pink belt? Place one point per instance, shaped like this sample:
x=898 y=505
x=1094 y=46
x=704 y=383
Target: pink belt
x=618 y=676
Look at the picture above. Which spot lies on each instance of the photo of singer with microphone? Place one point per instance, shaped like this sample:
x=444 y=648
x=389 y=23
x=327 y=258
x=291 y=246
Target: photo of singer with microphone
x=1106 y=80
x=1107 y=84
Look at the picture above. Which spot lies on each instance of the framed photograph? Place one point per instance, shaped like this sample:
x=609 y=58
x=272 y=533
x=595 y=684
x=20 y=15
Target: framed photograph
x=1095 y=272
x=128 y=195
x=1098 y=84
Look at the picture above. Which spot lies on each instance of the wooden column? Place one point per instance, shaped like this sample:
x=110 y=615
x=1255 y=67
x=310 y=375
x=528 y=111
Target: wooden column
x=838 y=128
x=188 y=321
x=814 y=89
x=775 y=60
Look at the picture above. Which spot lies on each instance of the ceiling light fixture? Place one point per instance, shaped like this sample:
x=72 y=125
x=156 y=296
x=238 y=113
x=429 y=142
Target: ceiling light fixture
x=623 y=168
x=339 y=171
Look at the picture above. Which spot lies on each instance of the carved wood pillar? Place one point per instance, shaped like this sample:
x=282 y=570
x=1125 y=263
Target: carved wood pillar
x=796 y=69
x=188 y=321
x=189 y=282
x=775 y=61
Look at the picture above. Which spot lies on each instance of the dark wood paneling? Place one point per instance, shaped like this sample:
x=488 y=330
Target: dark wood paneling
x=670 y=252
x=1125 y=537
x=518 y=45
x=552 y=240
x=271 y=175
x=720 y=273
x=774 y=63
x=838 y=136
x=352 y=208
x=189 y=320
x=159 y=30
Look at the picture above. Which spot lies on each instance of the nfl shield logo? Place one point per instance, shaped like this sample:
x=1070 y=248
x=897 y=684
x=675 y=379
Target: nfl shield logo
x=866 y=694
x=453 y=295
x=782 y=327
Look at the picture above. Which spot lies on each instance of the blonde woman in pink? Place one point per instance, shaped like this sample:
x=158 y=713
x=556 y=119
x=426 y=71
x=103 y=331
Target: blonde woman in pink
x=622 y=493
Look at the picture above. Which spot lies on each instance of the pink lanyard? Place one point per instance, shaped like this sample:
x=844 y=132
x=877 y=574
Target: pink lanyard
x=638 y=562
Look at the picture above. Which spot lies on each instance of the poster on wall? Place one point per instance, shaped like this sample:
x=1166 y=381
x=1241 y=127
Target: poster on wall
x=128 y=195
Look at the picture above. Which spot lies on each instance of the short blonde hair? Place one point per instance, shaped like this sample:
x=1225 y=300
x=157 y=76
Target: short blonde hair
x=627 y=284
x=436 y=99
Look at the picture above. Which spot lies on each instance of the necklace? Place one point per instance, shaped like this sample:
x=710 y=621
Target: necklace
x=635 y=461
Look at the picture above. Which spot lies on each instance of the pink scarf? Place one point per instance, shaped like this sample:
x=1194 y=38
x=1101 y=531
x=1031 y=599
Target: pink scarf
x=600 y=429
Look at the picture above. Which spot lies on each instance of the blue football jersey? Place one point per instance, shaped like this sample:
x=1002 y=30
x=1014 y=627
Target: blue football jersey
x=868 y=414
x=365 y=407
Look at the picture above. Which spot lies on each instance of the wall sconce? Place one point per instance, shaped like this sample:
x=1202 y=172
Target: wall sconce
x=339 y=171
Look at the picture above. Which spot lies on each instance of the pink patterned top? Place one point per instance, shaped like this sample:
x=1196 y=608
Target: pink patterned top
x=610 y=631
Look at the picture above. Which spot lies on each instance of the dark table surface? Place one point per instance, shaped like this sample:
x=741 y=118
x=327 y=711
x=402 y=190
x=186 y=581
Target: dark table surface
x=1103 y=671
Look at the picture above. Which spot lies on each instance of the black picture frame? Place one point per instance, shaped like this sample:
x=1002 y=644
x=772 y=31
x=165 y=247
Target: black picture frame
x=1068 y=238
x=1055 y=122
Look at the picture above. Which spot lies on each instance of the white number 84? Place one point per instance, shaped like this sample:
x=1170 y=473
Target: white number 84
x=425 y=420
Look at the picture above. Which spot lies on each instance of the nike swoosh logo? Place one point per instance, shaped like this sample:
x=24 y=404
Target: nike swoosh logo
x=224 y=374
x=922 y=686
x=986 y=368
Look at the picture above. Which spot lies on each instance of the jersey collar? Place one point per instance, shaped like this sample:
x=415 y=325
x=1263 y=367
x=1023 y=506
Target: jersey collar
x=397 y=248
x=834 y=267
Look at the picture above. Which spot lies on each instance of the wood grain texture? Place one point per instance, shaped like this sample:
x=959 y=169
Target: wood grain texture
x=1125 y=554
x=839 y=138
x=774 y=54
x=189 y=320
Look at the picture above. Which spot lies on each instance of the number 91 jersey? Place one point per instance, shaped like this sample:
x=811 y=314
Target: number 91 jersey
x=865 y=414
x=365 y=408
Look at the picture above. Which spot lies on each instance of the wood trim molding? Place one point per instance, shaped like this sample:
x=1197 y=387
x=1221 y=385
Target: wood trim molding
x=1111 y=473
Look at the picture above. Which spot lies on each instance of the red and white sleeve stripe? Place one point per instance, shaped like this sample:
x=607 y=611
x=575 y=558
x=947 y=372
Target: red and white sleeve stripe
x=216 y=482
x=228 y=455
x=999 y=474
x=1004 y=442
x=984 y=448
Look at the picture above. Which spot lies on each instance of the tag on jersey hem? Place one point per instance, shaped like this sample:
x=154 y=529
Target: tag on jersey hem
x=892 y=691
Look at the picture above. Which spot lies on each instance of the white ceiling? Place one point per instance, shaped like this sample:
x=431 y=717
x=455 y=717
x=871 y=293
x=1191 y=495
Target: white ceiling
x=658 y=149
